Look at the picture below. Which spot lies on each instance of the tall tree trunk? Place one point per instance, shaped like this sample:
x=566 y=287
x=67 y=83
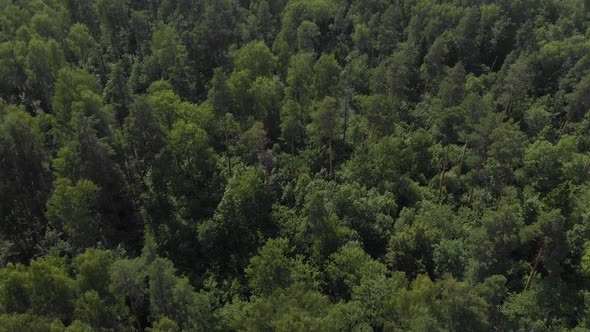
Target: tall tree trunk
x=534 y=269
x=564 y=127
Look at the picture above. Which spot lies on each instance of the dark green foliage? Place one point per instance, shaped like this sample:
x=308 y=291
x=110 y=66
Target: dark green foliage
x=294 y=165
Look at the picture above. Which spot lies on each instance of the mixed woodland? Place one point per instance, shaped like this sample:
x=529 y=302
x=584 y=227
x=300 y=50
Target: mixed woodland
x=294 y=165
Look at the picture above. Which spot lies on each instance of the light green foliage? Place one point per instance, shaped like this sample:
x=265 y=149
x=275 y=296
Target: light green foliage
x=81 y=45
x=190 y=147
x=43 y=61
x=78 y=326
x=291 y=309
x=327 y=74
x=378 y=296
x=128 y=281
x=257 y=58
x=537 y=117
x=349 y=266
x=171 y=57
x=92 y=310
x=72 y=207
x=164 y=102
x=77 y=97
x=51 y=291
x=394 y=162
x=325 y=121
x=299 y=72
x=253 y=142
x=12 y=67
x=14 y=294
x=308 y=34
x=28 y=322
x=267 y=95
x=273 y=269
x=92 y=268
x=165 y=324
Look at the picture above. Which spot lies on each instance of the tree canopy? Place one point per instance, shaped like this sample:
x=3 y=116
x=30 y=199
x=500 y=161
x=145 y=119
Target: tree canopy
x=294 y=165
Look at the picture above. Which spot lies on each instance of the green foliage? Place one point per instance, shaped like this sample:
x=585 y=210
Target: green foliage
x=325 y=232
x=72 y=207
x=228 y=236
x=24 y=181
x=291 y=309
x=128 y=281
x=325 y=121
x=294 y=165
x=51 y=291
x=92 y=311
x=93 y=268
x=43 y=61
x=28 y=322
x=349 y=266
x=273 y=269
x=299 y=72
x=308 y=35
x=165 y=324
x=80 y=45
x=450 y=256
x=257 y=58
x=327 y=73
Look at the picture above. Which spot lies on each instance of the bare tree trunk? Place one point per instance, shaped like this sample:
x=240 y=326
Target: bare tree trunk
x=534 y=269
x=469 y=197
x=564 y=127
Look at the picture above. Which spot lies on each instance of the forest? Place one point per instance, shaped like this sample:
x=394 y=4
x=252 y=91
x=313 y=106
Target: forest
x=294 y=165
